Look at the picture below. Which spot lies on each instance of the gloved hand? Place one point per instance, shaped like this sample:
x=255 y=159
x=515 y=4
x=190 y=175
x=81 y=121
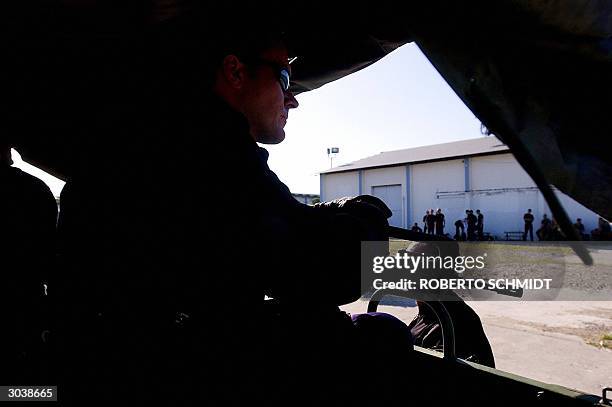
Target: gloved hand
x=360 y=204
x=369 y=211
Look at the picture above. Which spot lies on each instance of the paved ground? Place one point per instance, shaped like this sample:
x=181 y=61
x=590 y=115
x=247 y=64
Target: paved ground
x=554 y=341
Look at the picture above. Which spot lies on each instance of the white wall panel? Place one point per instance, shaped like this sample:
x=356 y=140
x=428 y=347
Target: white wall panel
x=489 y=171
x=340 y=185
x=392 y=196
x=386 y=177
x=438 y=185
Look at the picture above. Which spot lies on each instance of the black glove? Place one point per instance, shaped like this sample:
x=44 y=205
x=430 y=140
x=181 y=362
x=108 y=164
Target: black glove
x=360 y=204
x=371 y=212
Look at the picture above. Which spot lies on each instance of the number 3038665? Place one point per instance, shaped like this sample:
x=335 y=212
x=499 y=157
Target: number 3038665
x=29 y=392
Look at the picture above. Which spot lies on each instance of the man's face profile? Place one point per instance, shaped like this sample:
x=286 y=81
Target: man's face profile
x=254 y=89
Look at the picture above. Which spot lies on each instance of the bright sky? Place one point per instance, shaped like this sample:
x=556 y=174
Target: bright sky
x=399 y=102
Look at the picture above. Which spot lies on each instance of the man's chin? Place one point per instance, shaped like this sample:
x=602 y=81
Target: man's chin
x=273 y=138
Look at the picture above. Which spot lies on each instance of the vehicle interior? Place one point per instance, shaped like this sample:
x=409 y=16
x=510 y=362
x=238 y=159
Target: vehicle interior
x=537 y=74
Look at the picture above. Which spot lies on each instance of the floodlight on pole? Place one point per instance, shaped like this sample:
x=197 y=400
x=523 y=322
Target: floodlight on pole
x=331 y=152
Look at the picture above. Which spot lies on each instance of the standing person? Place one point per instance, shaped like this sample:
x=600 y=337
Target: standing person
x=459 y=230
x=528 y=219
x=440 y=222
x=471 y=222
x=416 y=228
x=480 y=224
x=425 y=220
x=579 y=226
x=431 y=222
x=474 y=221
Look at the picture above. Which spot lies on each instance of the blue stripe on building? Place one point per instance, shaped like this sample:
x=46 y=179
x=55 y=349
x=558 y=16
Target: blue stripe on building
x=408 y=208
x=360 y=189
x=466 y=166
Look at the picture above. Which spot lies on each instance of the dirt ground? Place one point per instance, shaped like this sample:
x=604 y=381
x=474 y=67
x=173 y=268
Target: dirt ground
x=558 y=342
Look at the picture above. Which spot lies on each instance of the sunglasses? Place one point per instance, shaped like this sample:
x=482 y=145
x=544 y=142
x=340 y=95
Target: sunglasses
x=284 y=77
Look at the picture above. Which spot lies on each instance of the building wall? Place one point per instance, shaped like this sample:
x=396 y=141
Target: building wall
x=384 y=183
x=488 y=171
x=497 y=185
x=503 y=192
x=438 y=185
x=335 y=186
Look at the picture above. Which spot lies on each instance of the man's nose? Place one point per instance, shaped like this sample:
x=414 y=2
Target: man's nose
x=290 y=100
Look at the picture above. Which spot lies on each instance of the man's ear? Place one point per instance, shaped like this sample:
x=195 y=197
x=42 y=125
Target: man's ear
x=233 y=71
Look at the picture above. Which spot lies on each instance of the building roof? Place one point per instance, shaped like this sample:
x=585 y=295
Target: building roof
x=445 y=151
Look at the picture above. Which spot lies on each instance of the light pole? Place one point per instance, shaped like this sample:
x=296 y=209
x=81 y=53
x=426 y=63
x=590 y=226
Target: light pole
x=331 y=152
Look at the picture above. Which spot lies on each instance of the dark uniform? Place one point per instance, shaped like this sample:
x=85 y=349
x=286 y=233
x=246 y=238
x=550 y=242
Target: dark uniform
x=431 y=222
x=440 y=223
x=528 y=218
x=471 y=226
x=165 y=274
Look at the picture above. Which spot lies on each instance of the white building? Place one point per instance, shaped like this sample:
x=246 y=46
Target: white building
x=470 y=174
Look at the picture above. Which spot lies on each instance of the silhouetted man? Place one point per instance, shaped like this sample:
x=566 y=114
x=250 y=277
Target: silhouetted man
x=471 y=225
x=416 y=228
x=528 y=219
x=169 y=277
x=480 y=224
x=440 y=222
x=579 y=226
x=431 y=222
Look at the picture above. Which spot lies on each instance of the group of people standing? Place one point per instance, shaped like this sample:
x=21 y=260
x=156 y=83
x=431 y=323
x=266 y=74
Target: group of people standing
x=472 y=227
x=433 y=223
